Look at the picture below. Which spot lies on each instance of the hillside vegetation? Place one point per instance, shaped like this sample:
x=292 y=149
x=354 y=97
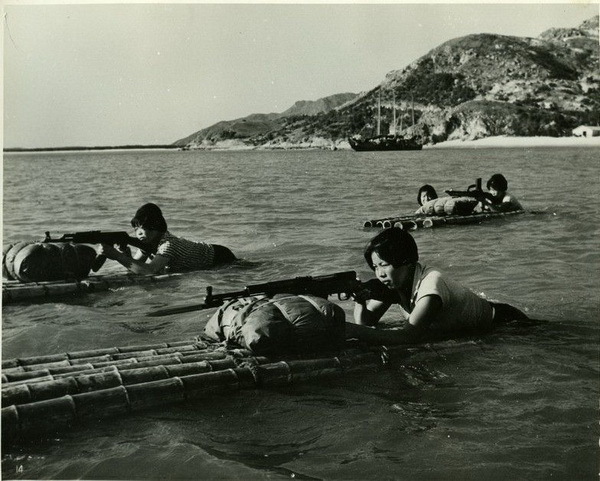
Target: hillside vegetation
x=467 y=88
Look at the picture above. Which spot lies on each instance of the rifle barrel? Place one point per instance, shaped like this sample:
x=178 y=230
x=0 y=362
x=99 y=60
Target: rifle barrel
x=177 y=310
x=100 y=237
x=340 y=282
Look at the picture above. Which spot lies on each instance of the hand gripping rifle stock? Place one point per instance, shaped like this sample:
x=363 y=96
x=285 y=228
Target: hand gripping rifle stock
x=344 y=284
x=120 y=238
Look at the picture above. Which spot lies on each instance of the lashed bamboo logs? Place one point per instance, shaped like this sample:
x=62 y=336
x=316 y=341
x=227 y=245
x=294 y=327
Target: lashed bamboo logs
x=418 y=222
x=13 y=291
x=36 y=407
x=380 y=222
x=67 y=405
x=58 y=366
x=109 y=353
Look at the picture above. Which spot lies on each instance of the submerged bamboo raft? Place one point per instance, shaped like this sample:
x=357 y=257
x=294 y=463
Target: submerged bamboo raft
x=415 y=221
x=15 y=291
x=47 y=394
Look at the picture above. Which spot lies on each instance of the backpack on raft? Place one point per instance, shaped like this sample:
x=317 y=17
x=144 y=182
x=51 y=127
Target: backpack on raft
x=282 y=324
x=40 y=261
x=449 y=206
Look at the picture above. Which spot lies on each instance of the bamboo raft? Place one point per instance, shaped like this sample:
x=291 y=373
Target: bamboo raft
x=15 y=291
x=416 y=221
x=47 y=394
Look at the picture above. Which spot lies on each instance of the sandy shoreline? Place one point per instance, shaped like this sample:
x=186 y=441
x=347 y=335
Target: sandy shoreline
x=500 y=141
x=505 y=141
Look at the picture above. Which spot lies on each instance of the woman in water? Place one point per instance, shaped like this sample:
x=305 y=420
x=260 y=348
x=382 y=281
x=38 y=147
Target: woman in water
x=433 y=305
x=173 y=254
x=500 y=200
x=426 y=193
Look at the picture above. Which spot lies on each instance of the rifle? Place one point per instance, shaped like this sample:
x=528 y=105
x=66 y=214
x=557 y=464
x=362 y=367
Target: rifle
x=122 y=239
x=344 y=284
x=474 y=191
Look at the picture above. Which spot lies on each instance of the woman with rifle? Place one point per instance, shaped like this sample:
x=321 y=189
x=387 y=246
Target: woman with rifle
x=173 y=254
x=433 y=305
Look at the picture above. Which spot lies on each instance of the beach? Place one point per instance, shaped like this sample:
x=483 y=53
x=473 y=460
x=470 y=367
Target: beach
x=500 y=141
x=504 y=141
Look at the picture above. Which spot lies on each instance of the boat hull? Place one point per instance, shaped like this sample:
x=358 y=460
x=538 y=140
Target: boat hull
x=384 y=143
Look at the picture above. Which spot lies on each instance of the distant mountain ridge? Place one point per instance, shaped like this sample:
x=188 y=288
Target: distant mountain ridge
x=307 y=107
x=260 y=124
x=469 y=87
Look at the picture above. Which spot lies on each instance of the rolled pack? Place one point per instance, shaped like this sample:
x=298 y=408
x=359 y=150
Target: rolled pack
x=282 y=324
x=39 y=261
x=448 y=206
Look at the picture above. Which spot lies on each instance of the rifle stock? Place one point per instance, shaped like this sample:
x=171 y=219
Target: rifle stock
x=341 y=283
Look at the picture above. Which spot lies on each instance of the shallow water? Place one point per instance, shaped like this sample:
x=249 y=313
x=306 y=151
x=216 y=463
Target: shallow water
x=518 y=404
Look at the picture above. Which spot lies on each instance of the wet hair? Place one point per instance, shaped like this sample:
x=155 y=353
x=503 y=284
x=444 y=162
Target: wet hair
x=149 y=216
x=498 y=182
x=392 y=245
x=429 y=189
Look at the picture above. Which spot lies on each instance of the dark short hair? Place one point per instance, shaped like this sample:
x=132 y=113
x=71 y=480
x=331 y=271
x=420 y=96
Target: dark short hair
x=498 y=182
x=149 y=216
x=429 y=189
x=393 y=245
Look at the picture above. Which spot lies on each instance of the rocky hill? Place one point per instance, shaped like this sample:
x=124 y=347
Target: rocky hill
x=467 y=88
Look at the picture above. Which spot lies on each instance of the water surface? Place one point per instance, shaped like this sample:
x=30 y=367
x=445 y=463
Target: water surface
x=519 y=404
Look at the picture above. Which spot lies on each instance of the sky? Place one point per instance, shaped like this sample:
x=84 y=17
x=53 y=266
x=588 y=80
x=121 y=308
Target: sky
x=83 y=74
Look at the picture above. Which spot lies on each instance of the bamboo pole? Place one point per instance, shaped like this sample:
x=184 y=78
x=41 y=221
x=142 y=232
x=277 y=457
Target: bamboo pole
x=160 y=348
x=24 y=368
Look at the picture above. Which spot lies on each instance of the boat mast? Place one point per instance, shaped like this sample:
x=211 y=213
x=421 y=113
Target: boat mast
x=379 y=114
x=401 y=117
x=395 y=122
x=412 y=107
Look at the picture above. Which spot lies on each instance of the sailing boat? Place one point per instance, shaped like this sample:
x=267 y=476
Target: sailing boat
x=392 y=141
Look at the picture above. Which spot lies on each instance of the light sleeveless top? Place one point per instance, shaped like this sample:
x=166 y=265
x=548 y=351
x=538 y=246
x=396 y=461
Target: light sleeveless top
x=462 y=308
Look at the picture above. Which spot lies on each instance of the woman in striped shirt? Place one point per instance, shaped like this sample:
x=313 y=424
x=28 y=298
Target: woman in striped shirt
x=173 y=254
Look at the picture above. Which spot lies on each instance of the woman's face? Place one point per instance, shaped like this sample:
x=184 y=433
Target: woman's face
x=425 y=197
x=498 y=194
x=149 y=236
x=392 y=277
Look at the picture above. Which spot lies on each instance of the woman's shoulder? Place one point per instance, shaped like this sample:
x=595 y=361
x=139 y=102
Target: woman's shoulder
x=435 y=277
x=508 y=197
x=166 y=241
x=429 y=271
x=166 y=236
x=511 y=201
x=169 y=237
x=427 y=276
